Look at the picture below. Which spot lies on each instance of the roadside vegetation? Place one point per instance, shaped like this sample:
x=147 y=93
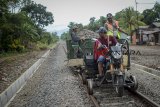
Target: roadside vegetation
x=129 y=20
x=22 y=25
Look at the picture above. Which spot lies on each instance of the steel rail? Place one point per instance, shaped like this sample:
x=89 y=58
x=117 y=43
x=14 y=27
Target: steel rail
x=93 y=99
x=140 y=95
x=149 y=101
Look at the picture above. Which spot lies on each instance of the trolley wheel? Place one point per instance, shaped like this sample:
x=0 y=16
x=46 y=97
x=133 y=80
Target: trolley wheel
x=134 y=80
x=90 y=86
x=84 y=80
x=119 y=80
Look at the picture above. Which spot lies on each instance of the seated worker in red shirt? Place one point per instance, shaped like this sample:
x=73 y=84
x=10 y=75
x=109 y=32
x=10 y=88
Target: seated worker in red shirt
x=102 y=41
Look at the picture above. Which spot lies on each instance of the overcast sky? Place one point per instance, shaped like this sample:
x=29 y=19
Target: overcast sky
x=80 y=11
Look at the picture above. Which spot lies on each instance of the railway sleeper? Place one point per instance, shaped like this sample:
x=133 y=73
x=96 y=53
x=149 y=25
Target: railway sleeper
x=118 y=104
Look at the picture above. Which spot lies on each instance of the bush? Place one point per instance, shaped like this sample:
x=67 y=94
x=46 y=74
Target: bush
x=20 y=48
x=42 y=46
x=16 y=46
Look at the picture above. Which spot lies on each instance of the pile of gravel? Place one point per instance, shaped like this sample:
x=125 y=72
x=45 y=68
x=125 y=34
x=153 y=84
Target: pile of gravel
x=88 y=34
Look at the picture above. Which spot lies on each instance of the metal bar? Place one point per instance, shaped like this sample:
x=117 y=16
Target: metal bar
x=94 y=101
x=154 y=104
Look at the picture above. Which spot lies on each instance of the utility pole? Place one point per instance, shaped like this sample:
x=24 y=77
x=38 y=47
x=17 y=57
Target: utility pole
x=136 y=11
x=136 y=21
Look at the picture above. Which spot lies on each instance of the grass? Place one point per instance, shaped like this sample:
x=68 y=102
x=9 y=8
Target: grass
x=51 y=46
x=42 y=46
x=8 y=54
x=15 y=53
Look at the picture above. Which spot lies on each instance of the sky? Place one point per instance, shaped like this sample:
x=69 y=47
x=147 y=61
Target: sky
x=80 y=11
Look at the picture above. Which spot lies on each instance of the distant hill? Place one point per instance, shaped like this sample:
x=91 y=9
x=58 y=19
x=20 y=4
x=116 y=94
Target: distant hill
x=57 y=28
x=59 y=32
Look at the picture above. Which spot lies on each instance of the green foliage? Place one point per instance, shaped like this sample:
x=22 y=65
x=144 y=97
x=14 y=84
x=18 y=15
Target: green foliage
x=42 y=46
x=128 y=19
x=17 y=26
x=72 y=24
x=24 y=30
x=65 y=35
x=95 y=24
x=38 y=14
x=47 y=39
x=151 y=15
x=16 y=46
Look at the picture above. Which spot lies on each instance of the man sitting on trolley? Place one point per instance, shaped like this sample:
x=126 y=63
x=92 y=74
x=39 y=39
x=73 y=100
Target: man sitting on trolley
x=102 y=43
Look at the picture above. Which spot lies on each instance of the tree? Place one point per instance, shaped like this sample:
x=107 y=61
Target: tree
x=156 y=9
x=13 y=4
x=102 y=20
x=72 y=24
x=64 y=35
x=38 y=14
x=94 y=24
x=92 y=19
x=128 y=19
x=25 y=3
x=151 y=15
x=19 y=29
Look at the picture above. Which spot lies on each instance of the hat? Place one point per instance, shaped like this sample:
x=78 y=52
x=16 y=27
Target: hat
x=102 y=30
x=109 y=15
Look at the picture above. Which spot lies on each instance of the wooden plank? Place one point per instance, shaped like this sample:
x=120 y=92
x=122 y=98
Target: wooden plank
x=75 y=62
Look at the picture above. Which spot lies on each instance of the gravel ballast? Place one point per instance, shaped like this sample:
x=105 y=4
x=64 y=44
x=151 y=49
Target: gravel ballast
x=53 y=85
x=148 y=84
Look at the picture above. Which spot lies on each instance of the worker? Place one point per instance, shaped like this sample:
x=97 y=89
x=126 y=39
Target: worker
x=76 y=42
x=74 y=37
x=112 y=27
x=100 y=45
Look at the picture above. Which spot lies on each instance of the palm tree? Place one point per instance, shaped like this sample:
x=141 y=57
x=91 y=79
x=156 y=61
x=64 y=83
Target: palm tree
x=129 y=17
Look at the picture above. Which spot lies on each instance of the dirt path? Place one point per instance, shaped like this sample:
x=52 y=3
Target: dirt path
x=53 y=85
x=149 y=56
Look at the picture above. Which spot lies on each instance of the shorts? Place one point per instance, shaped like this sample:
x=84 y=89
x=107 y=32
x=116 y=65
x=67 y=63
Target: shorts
x=101 y=59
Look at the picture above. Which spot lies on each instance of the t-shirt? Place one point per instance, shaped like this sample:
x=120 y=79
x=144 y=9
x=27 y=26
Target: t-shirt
x=103 y=41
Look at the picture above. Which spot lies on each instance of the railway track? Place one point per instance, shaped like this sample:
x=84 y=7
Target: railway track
x=106 y=96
